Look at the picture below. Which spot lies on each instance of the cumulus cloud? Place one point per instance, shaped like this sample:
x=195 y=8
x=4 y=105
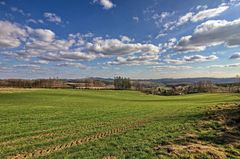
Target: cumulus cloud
x=200 y=58
x=42 y=34
x=171 y=67
x=70 y=64
x=126 y=39
x=52 y=17
x=40 y=62
x=170 y=43
x=67 y=55
x=211 y=33
x=107 y=4
x=119 y=47
x=77 y=55
x=145 y=59
x=4 y=69
x=185 y=18
x=235 y=56
x=43 y=46
x=11 y=35
x=175 y=61
x=39 y=43
x=190 y=59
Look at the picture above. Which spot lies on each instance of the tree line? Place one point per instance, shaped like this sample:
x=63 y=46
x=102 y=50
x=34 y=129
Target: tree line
x=122 y=83
x=38 y=83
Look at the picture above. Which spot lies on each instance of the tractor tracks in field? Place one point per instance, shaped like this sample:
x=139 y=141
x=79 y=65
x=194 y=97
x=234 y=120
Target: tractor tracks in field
x=81 y=141
x=48 y=133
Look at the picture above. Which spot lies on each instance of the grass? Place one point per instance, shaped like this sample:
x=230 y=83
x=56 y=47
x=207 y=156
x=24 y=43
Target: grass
x=43 y=120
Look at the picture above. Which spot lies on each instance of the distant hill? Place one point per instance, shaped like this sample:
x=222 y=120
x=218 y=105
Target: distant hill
x=172 y=81
x=194 y=80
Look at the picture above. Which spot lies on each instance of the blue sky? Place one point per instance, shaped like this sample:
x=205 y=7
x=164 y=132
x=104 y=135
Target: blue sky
x=133 y=38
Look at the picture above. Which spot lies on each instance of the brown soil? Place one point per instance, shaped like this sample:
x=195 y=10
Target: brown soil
x=198 y=144
x=195 y=149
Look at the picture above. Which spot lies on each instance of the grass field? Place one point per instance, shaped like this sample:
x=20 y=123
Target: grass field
x=116 y=124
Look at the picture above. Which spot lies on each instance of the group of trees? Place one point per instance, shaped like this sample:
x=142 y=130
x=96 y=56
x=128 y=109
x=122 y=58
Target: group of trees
x=39 y=83
x=121 y=83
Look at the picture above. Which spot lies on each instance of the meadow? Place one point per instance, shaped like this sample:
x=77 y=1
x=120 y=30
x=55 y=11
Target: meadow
x=48 y=123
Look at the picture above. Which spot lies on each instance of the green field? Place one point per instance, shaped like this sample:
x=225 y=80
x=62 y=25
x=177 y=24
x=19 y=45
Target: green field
x=114 y=124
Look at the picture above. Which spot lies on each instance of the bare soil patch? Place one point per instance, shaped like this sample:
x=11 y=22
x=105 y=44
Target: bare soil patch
x=217 y=136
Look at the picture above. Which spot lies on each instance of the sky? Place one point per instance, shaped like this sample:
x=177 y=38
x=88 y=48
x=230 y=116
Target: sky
x=140 y=39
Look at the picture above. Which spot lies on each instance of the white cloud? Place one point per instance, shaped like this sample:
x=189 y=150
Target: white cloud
x=175 y=61
x=20 y=11
x=52 y=17
x=88 y=35
x=11 y=35
x=235 y=56
x=191 y=59
x=201 y=15
x=39 y=43
x=135 y=19
x=160 y=35
x=171 y=67
x=201 y=7
x=118 y=47
x=35 y=21
x=43 y=34
x=126 y=39
x=27 y=66
x=40 y=62
x=200 y=58
x=169 y=44
x=145 y=59
x=70 y=64
x=227 y=65
x=211 y=33
x=43 y=46
x=32 y=21
x=184 y=19
x=170 y=25
x=159 y=18
x=209 y=13
x=107 y=4
x=77 y=55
